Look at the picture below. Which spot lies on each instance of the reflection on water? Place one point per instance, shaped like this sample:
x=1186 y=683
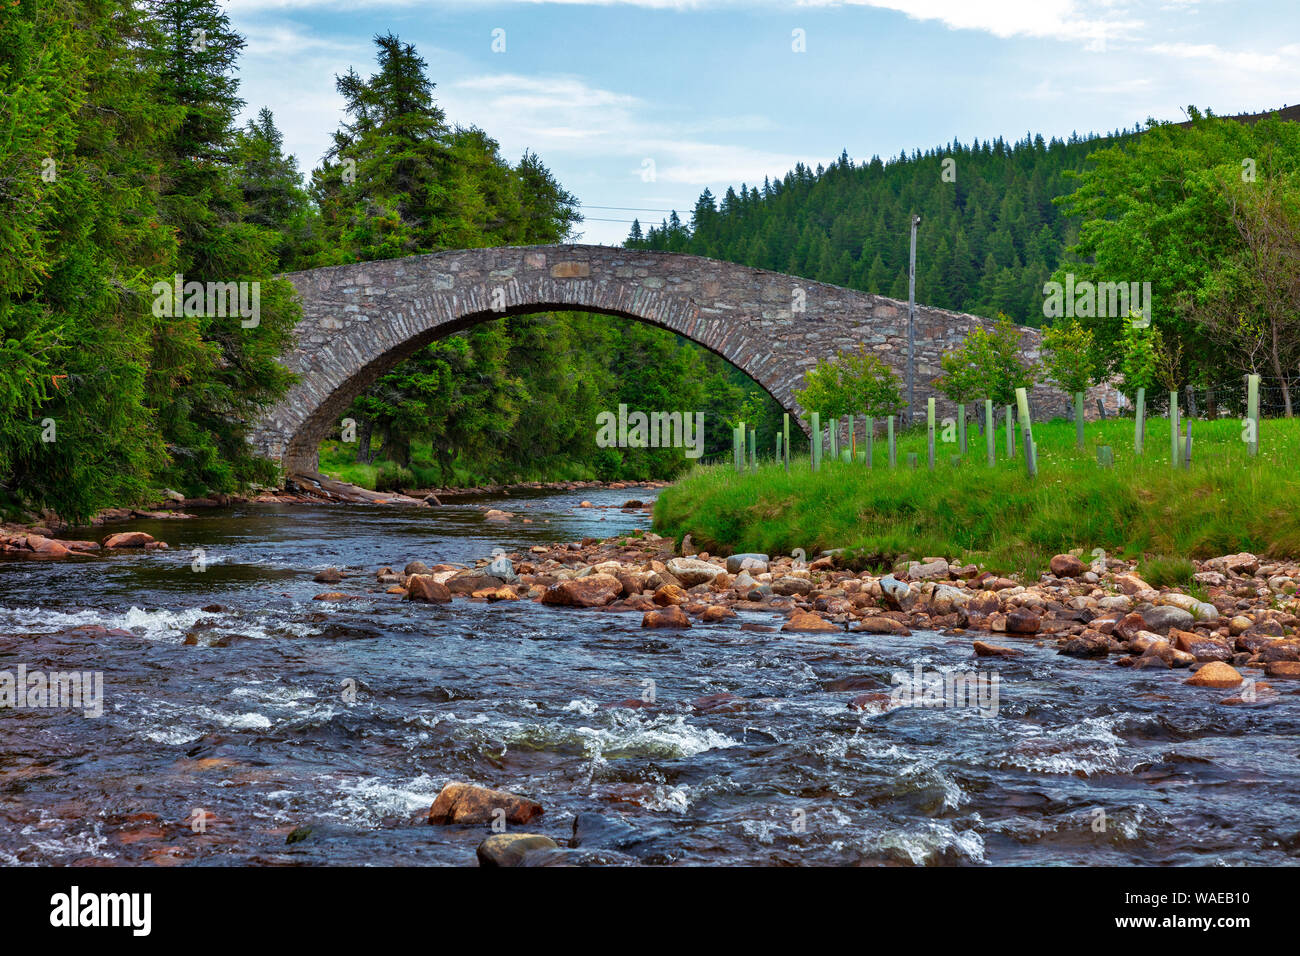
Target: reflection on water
x=339 y=722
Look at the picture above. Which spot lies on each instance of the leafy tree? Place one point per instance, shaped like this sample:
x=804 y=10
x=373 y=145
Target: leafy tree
x=988 y=365
x=854 y=383
x=1070 y=357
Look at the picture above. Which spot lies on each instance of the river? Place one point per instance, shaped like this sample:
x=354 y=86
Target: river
x=295 y=731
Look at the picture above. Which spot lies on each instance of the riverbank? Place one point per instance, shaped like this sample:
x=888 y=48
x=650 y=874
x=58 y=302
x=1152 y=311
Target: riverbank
x=312 y=684
x=999 y=517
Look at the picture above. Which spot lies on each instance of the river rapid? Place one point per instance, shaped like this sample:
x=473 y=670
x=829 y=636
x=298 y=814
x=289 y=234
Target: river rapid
x=295 y=731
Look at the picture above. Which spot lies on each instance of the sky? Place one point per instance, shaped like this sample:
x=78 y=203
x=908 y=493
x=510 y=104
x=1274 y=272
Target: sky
x=638 y=105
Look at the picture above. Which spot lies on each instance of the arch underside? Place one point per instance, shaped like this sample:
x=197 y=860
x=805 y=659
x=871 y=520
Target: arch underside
x=301 y=450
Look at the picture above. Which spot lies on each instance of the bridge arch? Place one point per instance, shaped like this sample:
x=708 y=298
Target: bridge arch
x=362 y=319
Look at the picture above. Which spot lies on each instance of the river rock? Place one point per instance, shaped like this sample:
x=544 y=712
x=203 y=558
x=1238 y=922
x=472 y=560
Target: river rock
x=1202 y=648
x=1243 y=563
x=1287 y=669
x=1162 y=617
x=423 y=587
x=947 y=599
x=1067 y=566
x=594 y=590
x=936 y=570
x=716 y=612
x=1021 y=620
x=878 y=624
x=808 y=622
x=494 y=514
x=466 y=803
x=670 y=616
x=501 y=567
x=992 y=650
x=416 y=567
x=128 y=539
x=1130 y=584
x=468 y=581
x=670 y=594
x=692 y=571
x=896 y=593
x=790 y=585
x=513 y=849
x=1215 y=674
x=47 y=546
x=1088 y=644
x=328 y=576
x=747 y=562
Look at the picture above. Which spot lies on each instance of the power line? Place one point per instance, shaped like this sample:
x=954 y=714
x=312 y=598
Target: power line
x=628 y=208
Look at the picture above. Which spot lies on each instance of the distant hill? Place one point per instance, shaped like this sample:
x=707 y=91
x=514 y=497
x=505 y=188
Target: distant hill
x=989 y=237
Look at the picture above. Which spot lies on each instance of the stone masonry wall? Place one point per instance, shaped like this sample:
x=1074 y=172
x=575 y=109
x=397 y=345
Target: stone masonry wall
x=360 y=320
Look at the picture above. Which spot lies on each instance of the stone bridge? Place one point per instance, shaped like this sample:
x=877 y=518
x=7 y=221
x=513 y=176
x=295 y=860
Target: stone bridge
x=360 y=320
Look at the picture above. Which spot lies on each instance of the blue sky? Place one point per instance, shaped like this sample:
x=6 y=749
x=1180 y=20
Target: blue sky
x=644 y=103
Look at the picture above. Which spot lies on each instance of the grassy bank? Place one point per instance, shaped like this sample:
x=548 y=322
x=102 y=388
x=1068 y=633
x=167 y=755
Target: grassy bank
x=999 y=516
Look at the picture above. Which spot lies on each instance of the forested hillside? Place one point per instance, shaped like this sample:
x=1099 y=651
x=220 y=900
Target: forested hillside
x=989 y=237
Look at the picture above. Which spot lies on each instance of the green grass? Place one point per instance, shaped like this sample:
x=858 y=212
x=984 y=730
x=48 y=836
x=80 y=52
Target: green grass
x=338 y=460
x=1000 y=517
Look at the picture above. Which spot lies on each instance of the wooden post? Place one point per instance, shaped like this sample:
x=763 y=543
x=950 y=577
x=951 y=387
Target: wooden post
x=785 y=430
x=1174 y=451
x=1139 y=429
x=990 y=440
x=1252 y=412
x=816 y=441
x=1187 y=448
x=929 y=428
x=961 y=427
x=1078 y=419
x=753 y=449
x=893 y=448
x=1031 y=455
x=1011 y=436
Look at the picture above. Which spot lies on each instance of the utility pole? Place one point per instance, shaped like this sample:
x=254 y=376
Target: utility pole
x=911 y=323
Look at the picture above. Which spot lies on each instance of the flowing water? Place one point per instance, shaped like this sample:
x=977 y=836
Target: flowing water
x=298 y=731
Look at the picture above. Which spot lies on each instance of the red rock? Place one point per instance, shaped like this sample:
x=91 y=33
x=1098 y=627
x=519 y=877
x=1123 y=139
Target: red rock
x=992 y=650
x=1067 y=566
x=424 y=587
x=594 y=590
x=721 y=701
x=670 y=594
x=1288 y=669
x=808 y=622
x=716 y=612
x=670 y=616
x=1215 y=674
x=466 y=803
x=128 y=539
x=1023 y=621
x=47 y=546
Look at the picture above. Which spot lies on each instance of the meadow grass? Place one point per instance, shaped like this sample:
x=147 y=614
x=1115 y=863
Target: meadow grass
x=1001 y=518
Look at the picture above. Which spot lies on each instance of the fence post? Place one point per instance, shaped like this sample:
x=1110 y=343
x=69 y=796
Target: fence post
x=785 y=430
x=990 y=440
x=816 y=441
x=1078 y=419
x=1252 y=412
x=929 y=428
x=1011 y=436
x=1174 y=451
x=893 y=448
x=753 y=449
x=1139 y=429
x=1187 y=448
